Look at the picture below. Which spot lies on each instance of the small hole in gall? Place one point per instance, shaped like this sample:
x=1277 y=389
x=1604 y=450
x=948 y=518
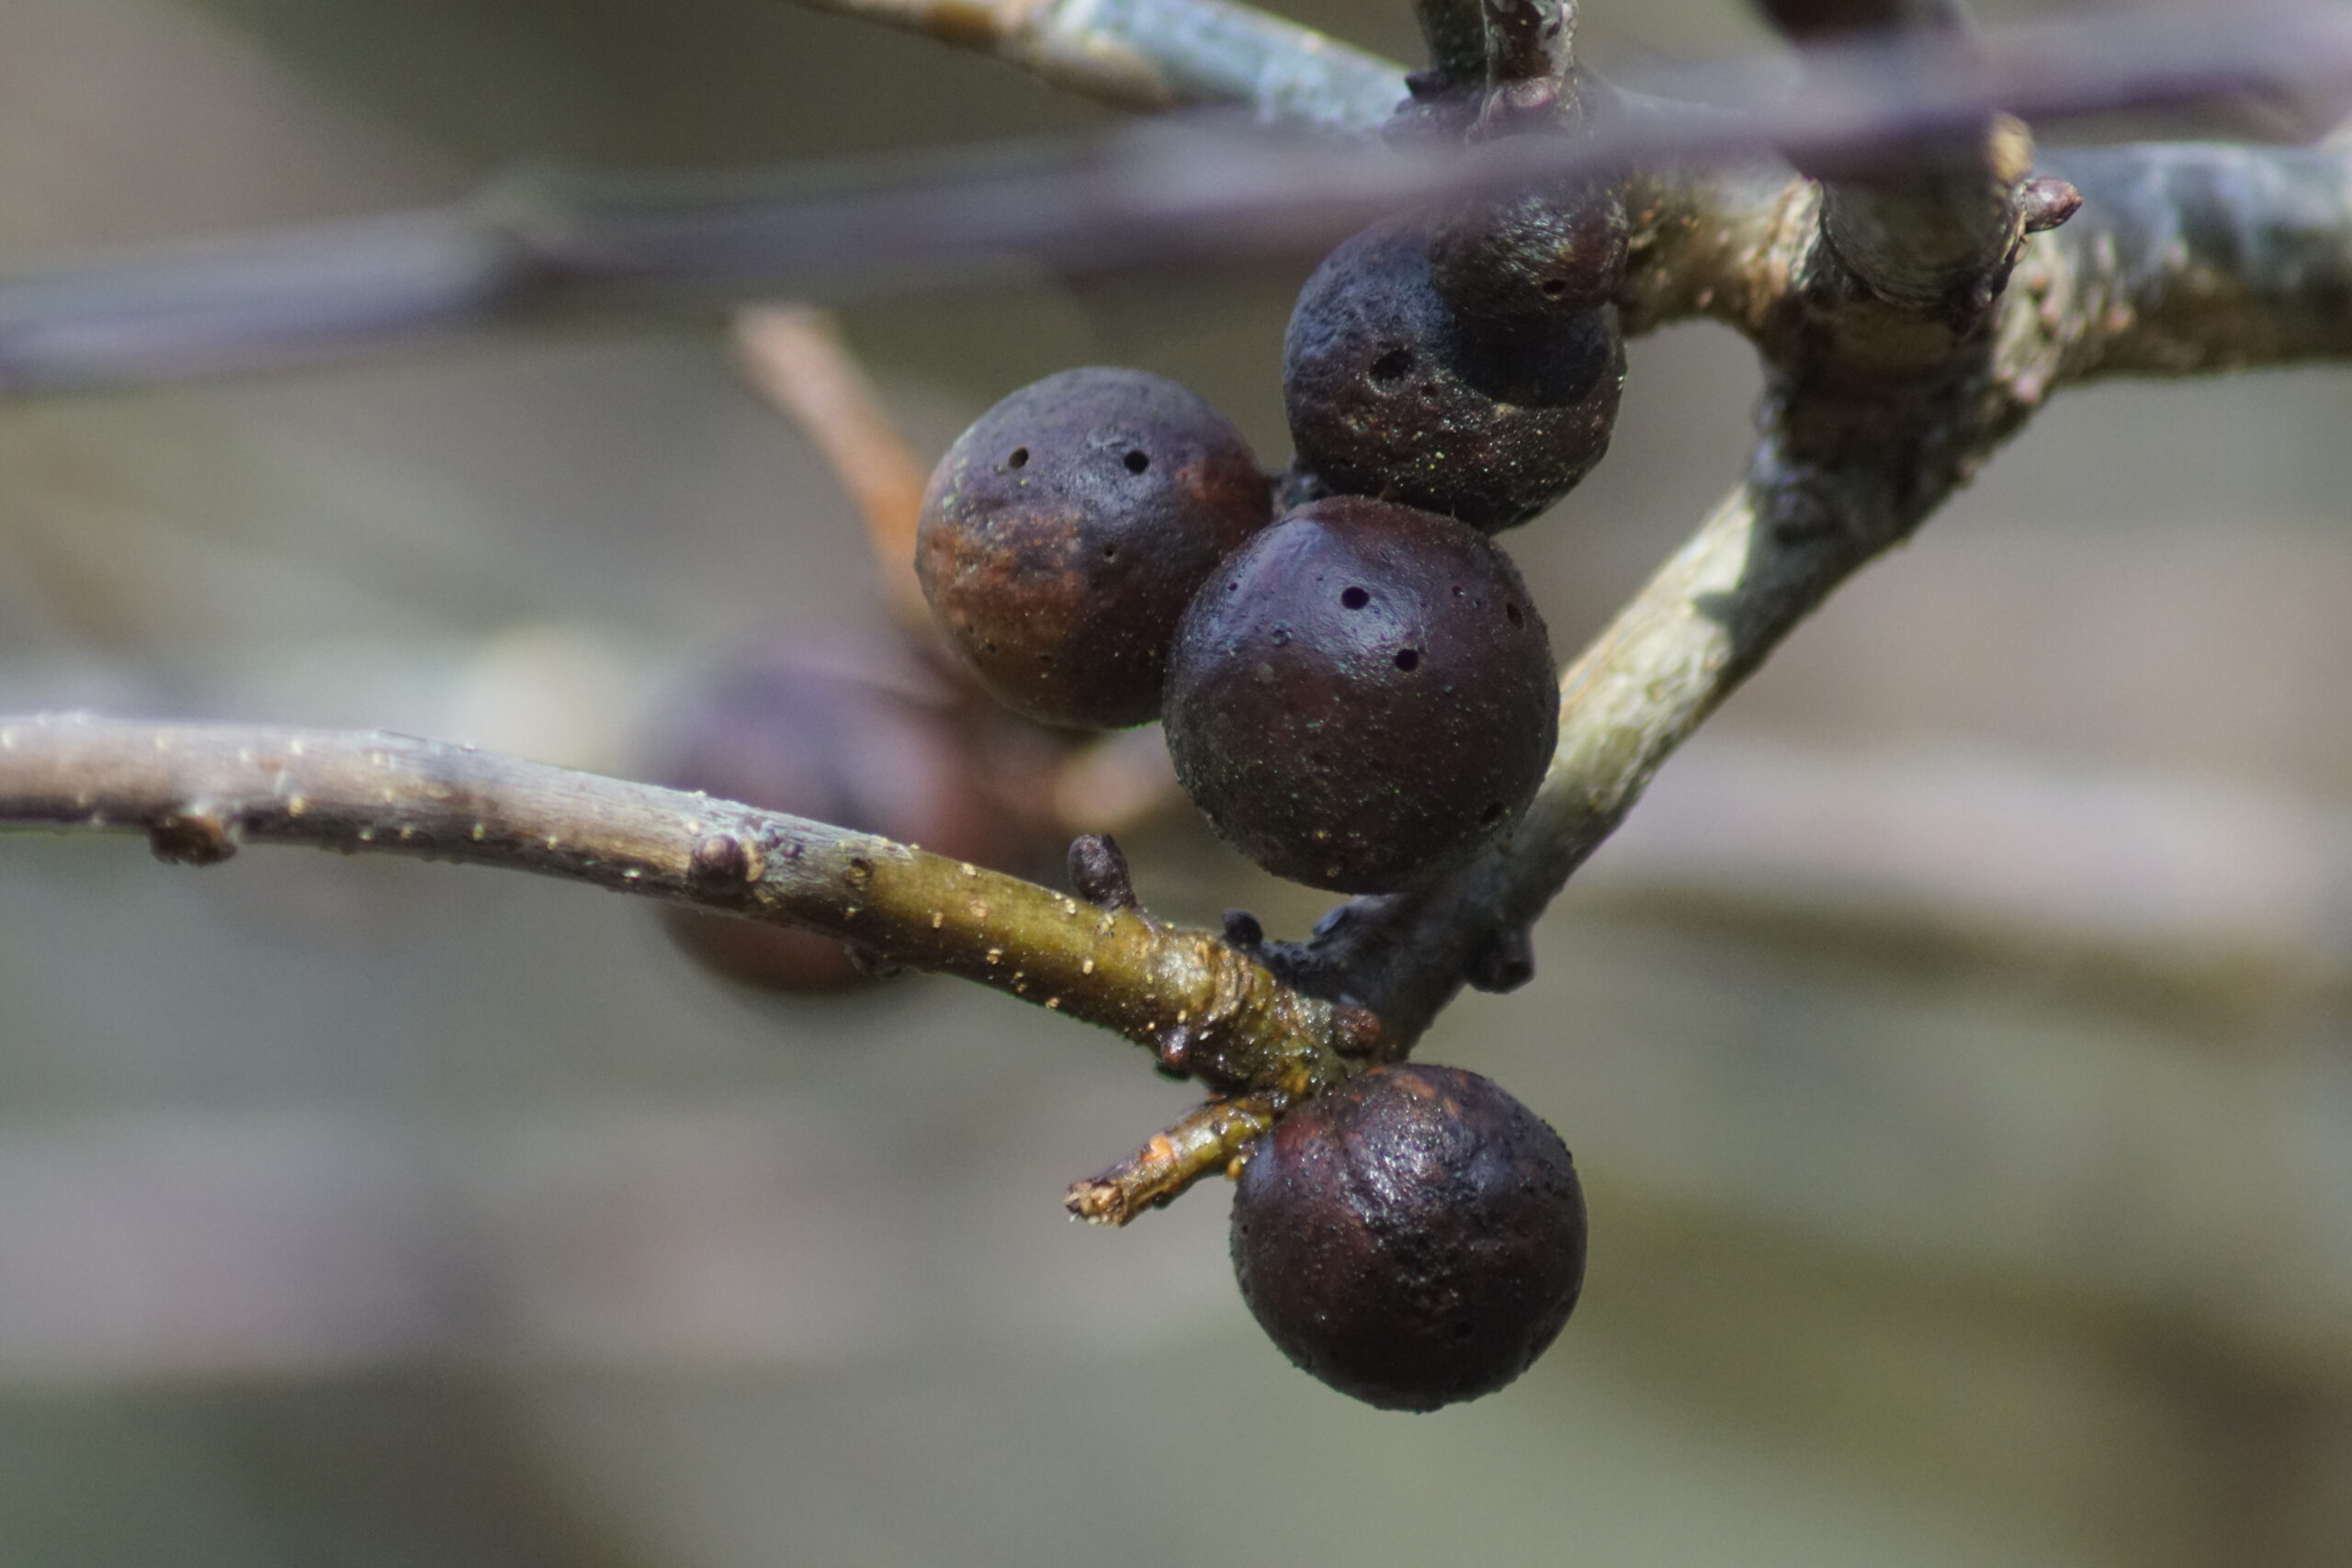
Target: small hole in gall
x=1136 y=462
x=1020 y=458
x=1355 y=598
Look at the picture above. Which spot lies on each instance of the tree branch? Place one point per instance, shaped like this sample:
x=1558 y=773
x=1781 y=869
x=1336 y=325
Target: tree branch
x=2189 y=258
x=2193 y=257
x=200 y=791
x=530 y=251
x=1770 y=553
x=1160 y=54
x=1880 y=404
x=1925 y=222
x=1876 y=410
x=1847 y=469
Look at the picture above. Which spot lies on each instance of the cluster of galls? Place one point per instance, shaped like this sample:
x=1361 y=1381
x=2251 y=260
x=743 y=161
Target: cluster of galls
x=1358 y=691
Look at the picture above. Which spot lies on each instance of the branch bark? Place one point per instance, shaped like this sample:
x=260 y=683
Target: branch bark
x=1158 y=54
x=1769 y=554
x=1881 y=401
x=1851 y=463
x=2191 y=258
x=527 y=252
x=199 y=792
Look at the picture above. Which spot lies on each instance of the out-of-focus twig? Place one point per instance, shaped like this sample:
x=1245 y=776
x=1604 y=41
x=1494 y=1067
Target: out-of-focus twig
x=1155 y=197
x=796 y=357
x=199 y=792
x=1157 y=54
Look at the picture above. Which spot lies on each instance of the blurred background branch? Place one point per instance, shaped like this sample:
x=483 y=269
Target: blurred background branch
x=1160 y=54
x=795 y=356
x=546 y=245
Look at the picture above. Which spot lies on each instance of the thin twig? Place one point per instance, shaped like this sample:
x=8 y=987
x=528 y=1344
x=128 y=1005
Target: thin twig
x=2189 y=258
x=1931 y=222
x=1769 y=554
x=2088 y=301
x=200 y=791
x=1157 y=54
x=1877 y=408
x=796 y=357
x=1210 y=1138
x=1156 y=199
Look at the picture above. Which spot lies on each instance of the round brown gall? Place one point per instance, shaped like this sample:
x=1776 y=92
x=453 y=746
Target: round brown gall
x=1065 y=532
x=1413 y=1237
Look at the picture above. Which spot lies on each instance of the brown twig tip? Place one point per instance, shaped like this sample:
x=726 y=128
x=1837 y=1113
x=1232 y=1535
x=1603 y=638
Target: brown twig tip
x=1098 y=869
x=720 y=860
x=1174 y=1051
x=1505 y=963
x=1358 y=1034
x=870 y=964
x=2046 y=203
x=1210 y=1138
x=194 y=835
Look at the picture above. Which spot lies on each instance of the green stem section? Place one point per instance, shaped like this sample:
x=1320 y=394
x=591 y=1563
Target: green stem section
x=200 y=791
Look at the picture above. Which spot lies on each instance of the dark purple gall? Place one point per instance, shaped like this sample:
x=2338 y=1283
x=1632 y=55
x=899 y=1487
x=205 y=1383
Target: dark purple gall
x=1535 y=258
x=1362 y=697
x=1413 y=1237
x=1394 y=392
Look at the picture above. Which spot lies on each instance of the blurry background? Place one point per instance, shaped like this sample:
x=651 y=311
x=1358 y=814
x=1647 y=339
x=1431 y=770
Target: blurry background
x=1958 y=1044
